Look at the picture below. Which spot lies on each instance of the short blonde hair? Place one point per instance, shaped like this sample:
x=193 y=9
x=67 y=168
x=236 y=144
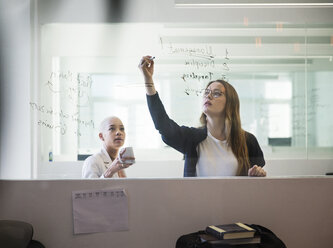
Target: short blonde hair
x=104 y=126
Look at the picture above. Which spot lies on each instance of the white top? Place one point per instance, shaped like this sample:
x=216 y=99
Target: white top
x=215 y=158
x=94 y=166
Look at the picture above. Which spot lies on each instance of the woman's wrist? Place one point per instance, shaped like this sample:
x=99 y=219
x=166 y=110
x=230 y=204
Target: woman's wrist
x=150 y=87
x=108 y=174
x=111 y=171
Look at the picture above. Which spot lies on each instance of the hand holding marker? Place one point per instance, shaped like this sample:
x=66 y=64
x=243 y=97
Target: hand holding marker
x=152 y=58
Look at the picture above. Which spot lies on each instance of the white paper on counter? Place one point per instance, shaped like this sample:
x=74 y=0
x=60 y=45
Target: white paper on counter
x=100 y=210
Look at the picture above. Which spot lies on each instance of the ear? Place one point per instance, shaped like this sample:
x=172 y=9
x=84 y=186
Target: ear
x=100 y=135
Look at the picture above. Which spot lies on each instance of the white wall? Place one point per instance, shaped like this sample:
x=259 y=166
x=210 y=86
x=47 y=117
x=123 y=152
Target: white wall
x=298 y=210
x=15 y=137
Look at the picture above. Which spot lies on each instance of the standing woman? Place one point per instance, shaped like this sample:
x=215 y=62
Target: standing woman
x=107 y=163
x=220 y=147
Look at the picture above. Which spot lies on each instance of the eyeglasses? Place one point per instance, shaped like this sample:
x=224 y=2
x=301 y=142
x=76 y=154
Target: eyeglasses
x=215 y=93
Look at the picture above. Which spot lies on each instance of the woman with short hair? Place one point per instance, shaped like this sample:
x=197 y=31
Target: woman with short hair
x=108 y=163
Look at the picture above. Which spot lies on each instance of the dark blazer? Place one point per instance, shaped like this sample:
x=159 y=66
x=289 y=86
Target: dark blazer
x=186 y=139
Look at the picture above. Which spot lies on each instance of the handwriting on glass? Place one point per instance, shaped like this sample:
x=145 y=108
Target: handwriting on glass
x=202 y=64
x=76 y=87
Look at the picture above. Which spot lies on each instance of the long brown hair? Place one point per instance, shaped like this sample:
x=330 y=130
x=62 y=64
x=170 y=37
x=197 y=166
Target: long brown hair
x=235 y=134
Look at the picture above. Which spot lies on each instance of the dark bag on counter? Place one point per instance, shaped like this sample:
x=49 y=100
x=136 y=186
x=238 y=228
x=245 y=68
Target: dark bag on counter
x=268 y=240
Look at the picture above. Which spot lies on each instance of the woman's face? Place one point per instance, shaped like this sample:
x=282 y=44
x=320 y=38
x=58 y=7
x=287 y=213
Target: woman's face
x=214 y=100
x=114 y=134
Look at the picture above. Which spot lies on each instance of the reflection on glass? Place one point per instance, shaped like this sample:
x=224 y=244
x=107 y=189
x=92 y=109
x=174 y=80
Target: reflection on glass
x=284 y=84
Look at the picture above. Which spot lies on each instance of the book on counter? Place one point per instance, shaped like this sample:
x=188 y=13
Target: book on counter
x=231 y=231
x=242 y=241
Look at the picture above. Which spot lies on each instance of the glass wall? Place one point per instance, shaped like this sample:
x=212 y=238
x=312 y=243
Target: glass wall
x=282 y=73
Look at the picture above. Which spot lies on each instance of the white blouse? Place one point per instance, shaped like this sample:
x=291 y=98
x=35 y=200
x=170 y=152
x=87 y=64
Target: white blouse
x=215 y=158
x=94 y=166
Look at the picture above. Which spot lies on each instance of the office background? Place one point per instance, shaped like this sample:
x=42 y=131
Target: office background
x=160 y=210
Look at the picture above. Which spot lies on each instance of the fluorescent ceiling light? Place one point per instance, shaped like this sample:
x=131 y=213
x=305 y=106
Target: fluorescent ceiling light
x=252 y=4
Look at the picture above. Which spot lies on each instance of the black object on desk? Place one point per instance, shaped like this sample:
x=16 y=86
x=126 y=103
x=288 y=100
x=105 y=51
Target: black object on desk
x=267 y=240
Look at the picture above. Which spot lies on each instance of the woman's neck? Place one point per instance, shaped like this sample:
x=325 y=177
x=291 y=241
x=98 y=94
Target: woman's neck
x=216 y=127
x=113 y=153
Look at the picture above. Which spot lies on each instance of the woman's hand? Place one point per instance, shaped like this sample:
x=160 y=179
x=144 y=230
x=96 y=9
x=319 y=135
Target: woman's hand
x=256 y=171
x=116 y=166
x=126 y=160
x=146 y=65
